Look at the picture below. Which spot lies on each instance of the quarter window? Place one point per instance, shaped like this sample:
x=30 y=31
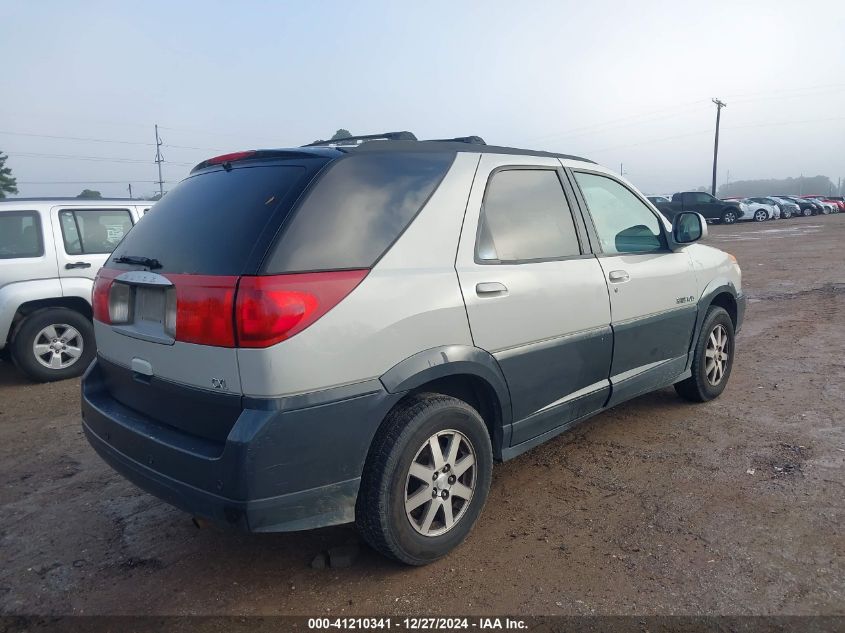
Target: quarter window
x=356 y=210
x=525 y=217
x=20 y=235
x=624 y=223
x=93 y=231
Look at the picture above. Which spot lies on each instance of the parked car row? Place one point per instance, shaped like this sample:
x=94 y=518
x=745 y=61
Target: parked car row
x=735 y=209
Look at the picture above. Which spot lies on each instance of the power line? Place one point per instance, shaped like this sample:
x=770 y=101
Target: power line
x=105 y=140
x=702 y=132
x=626 y=120
x=89 y=182
x=106 y=159
x=782 y=91
x=73 y=138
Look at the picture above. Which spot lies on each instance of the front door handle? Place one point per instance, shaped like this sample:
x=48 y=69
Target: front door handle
x=78 y=265
x=491 y=288
x=618 y=276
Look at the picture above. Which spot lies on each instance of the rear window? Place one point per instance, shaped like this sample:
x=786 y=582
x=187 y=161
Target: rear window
x=211 y=222
x=356 y=210
x=20 y=235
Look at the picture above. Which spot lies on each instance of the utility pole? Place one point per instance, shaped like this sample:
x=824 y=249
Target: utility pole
x=159 y=161
x=719 y=106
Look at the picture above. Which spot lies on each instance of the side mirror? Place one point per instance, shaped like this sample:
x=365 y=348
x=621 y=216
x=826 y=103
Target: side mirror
x=688 y=227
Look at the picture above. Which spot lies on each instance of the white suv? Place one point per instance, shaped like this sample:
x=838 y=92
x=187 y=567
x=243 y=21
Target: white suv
x=310 y=336
x=50 y=250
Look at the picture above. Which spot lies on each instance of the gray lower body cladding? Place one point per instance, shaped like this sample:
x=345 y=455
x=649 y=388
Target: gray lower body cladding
x=286 y=464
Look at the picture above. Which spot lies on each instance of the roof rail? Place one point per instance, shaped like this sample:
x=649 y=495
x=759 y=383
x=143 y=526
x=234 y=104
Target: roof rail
x=349 y=140
x=473 y=140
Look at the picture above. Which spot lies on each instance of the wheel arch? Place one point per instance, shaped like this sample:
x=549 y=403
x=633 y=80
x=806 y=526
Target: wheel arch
x=27 y=308
x=720 y=292
x=727 y=300
x=461 y=371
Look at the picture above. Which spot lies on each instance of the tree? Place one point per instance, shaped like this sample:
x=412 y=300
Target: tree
x=90 y=194
x=341 y=133
x=8 y=183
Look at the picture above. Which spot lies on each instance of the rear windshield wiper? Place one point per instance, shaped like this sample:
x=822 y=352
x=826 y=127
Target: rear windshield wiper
x=138 y=261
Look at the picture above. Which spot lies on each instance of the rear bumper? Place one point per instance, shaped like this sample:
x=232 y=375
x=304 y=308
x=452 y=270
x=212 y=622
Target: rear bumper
x=287 y=464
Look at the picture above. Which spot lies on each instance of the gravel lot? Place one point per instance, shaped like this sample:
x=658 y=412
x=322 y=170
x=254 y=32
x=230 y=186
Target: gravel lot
x=657 y=507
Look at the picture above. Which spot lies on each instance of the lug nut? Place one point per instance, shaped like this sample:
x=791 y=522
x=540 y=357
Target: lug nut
x=452 y=479
x=434 y=493
x=447 y=468
x=434 y=476
x=444 y=494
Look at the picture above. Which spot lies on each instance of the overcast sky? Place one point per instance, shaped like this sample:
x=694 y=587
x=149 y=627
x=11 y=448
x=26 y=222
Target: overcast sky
x=617 y=81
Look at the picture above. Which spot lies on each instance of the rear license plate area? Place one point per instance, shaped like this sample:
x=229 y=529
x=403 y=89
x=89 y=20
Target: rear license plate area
x=150 y=305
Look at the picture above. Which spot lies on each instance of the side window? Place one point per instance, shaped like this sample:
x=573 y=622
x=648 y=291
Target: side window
x=20 y=235
x=623 y=223
x=525 y=216
x=93 y=231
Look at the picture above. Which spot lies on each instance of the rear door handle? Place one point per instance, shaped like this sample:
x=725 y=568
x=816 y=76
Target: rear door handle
x=78 y=265
x=618 y=276
x=491 y=288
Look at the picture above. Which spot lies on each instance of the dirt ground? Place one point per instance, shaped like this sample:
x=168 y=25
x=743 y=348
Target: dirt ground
x=657 y=507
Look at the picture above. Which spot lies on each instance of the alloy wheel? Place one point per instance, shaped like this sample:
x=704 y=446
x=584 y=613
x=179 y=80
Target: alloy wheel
x=717 y=355
x=440 y=483
x=58 y=346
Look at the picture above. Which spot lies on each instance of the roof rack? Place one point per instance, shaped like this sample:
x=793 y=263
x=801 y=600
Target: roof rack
x=356 y=140
x=472 y=140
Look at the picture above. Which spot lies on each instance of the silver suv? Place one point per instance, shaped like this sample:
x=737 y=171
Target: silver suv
x=312 y=336
x=50 y=250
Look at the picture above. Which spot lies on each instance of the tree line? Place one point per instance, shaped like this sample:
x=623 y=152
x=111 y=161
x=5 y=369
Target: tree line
x=803 y=185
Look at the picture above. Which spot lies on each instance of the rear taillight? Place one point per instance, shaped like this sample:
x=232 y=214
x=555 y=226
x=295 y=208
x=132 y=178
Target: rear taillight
x=230 y=158
x=204 y=307
x=230 y=311
x=100 y=294
x=273 y=308
x=120 y=303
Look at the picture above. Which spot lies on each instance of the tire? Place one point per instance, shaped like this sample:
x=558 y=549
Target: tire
x=825 y=211
x=785 y=214
x=70 y=331
x=729 y=217
x=760 y=215
x=703 y=385
x=807 y=212
x=403 y=440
